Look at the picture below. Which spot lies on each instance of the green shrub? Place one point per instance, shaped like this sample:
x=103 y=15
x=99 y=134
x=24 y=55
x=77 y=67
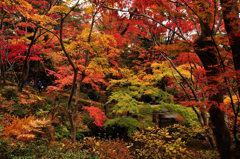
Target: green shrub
x=61 y=132
x=20 y=150
x=124 y=126
x=9 y=92
x=5 y=148
x=147 y=111
x=190 y=117
x=40 y=149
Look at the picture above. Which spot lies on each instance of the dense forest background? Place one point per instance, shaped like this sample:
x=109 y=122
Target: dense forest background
x=119 y=79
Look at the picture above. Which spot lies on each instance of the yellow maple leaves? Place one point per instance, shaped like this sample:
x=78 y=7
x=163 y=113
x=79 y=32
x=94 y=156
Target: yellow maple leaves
x=42 y=19
x=28 y=12
x=59 y=9
x=162 y=69
x=227 y=100
x=89 y=9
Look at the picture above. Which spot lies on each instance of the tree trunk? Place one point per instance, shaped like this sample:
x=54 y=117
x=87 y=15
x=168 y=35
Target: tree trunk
x=231 y=22
x=76 y=107
x=72 y=118
x=204 y=47
x=24 y=77
x=25 y=71
x=78 y=89
x=2 y=71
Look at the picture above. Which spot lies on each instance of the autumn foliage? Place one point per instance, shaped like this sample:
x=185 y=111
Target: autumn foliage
x=98 y=115
x=120 y=59
x=25 y=129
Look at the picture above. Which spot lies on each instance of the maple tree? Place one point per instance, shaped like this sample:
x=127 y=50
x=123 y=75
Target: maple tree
x=24 y=46
x=204 y=18
x=87 y=65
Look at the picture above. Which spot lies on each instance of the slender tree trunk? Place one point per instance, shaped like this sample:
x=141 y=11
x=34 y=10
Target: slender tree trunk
x=24 y=76
x=74 y=114
x=79 y=82
x=2 y=65
x=72 y=119
x=71 y=110
x=78 y=89
x=2 y=70
x=25 y=71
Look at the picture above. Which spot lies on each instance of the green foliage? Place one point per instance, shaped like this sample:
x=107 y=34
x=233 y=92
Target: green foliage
x=130 y=93
x=190 y=117
x=5 y=148
x=20 y=150
x=124 y=126
x=39 y=149
x=42 y=112
x=90 y=148
x=61 y=132
x=22 y=103
x=9 y=92
x=131 y=98
x=125 y=101
x=47 y=107
x=155 y=94
x=148 y=110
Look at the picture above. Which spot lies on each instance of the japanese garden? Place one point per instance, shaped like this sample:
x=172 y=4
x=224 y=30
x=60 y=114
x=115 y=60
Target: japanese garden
x=120 y=79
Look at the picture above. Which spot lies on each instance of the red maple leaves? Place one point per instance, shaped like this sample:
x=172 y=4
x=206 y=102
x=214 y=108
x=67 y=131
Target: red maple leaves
x=97 y=114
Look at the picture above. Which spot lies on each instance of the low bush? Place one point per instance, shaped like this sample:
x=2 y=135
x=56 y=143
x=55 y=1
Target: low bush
x=190 y=118
x=124 y=126
x=41 y=149
x=9 y=92
x=169 y=142
x=108 y=149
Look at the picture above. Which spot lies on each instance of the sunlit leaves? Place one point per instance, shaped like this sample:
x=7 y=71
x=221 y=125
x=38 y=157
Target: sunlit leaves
x=169 y=142
x=125 y=102
x=162 y=69
x=59 y=9
x=42 y=19
x=89 y=9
